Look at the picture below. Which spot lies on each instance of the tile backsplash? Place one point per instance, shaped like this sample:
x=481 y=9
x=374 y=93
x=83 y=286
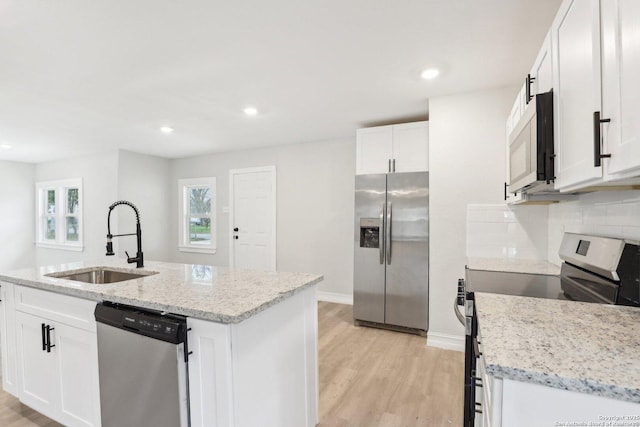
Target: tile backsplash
x=508 y=232
x=535 y=231
x=606 y=213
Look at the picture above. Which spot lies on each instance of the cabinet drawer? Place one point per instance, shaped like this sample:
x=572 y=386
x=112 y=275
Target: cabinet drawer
x=69 y=310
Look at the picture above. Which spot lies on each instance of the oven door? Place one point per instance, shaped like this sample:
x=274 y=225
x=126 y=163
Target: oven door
x=471 y=407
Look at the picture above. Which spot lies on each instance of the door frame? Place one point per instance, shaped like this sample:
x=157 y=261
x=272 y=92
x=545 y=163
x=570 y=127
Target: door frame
x=232 y=174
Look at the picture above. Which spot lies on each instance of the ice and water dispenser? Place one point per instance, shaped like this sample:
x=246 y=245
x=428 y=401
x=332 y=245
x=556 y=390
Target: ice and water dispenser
x=369 y=232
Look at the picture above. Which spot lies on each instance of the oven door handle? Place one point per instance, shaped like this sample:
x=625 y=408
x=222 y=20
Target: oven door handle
x=457 y=311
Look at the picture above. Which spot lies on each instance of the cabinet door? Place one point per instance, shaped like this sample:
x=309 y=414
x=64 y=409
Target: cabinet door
x=37 y=370
x=576 y=63
x=516 y=110
x=210 y=374
x=621 y=86
x=373 y=150
x=411 y=147
x=542 y=70
x=76 y=353
x=8 y=339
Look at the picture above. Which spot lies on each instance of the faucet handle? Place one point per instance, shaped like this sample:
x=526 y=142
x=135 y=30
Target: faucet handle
x=127 y=253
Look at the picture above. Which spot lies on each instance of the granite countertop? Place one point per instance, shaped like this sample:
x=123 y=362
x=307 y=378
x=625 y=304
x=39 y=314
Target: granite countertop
x=511 y=265
x=583 y=347
x=212 y=293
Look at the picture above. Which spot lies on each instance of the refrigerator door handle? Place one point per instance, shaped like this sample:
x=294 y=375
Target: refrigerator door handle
x=381 y=234
x=388 y=230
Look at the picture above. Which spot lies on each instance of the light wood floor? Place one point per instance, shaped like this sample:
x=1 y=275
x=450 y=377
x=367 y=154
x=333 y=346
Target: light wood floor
x=371 y=377
x=368 y=377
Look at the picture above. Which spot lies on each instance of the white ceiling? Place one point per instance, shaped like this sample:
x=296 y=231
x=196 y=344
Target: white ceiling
x=78 y=77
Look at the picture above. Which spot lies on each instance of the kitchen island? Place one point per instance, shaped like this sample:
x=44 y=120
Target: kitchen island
x=252 y=337
x=546 y=361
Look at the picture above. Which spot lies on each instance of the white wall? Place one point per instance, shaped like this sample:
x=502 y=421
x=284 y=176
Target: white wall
x=607 y=213
x=144 y=180
x=315 y=206
x=99 y=175
x=467 y=165
x=17 y=215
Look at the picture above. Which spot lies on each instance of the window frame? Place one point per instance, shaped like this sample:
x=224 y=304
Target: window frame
x=60 y=241
x=184 y=215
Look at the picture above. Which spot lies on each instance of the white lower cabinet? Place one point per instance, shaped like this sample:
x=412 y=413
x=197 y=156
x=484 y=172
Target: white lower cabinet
x=262 y=371
x=210 y=374
x=57 y=363
x=516 y=403
x=8 y=339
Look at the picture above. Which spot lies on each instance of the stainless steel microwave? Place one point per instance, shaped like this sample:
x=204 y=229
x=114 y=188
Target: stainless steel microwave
x=531 y=148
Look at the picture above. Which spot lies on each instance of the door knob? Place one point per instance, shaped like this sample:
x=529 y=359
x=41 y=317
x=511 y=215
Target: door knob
x=235 y=229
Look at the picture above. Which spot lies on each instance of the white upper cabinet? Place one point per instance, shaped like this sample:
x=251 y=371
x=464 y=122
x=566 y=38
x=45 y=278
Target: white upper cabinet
x=541 y=74
x=393 y=148
x=596 y=61
x=576 y=83
x=517 y=110
x=621 y=87
x=410 y=147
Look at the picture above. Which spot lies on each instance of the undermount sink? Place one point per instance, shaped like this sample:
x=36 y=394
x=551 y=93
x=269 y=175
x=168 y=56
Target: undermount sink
x=100 y=275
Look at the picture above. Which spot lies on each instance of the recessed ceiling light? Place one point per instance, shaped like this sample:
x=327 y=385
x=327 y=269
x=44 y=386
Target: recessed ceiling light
x=5 y=146
x=430 y=73
x=250 y=111
x=166 y=129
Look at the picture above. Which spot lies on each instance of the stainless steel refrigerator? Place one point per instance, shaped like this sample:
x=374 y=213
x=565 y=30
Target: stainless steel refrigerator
x=391 y=271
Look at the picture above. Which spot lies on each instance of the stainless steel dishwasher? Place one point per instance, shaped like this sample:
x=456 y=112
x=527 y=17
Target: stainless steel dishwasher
x=142 y=360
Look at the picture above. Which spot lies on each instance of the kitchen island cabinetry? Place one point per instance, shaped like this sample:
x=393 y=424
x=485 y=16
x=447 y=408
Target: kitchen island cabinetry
x=252 y=341
x=242 y=374
x=57 y=356
x=8 y=339
x=393 y=148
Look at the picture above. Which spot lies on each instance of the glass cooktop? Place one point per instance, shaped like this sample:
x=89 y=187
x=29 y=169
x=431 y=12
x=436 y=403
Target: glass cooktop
x=521 y=284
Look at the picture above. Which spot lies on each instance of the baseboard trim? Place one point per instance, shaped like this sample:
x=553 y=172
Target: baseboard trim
x=445 y=341
x=335 y=297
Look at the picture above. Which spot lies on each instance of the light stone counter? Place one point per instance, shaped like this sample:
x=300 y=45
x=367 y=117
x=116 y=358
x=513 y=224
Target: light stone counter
x=529 y=266
x=583 y=347
x=212 y=293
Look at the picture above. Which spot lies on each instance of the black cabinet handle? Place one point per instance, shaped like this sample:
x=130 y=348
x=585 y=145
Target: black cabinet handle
x=49 y=345
x=235 y=237
x=394 y=165
x=597 y=154
x=235 y=229
x=389 y=165
x=476 y=348
x=527 y=86
x=505 y=190
x=44 y=339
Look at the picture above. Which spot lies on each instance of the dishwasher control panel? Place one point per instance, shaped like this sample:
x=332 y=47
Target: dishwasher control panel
x=141 y=322
x=162 y=326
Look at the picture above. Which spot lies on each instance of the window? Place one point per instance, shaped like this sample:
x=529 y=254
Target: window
x=59 y=218
x=197 y=203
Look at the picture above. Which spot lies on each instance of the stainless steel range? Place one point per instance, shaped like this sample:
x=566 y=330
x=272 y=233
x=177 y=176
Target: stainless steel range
x=596 y=269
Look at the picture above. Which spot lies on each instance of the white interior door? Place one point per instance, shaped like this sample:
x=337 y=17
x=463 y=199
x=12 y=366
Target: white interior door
x=253 y=218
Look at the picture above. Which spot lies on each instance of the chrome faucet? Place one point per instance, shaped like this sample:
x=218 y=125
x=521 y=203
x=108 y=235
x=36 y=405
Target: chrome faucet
x=139 y=258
